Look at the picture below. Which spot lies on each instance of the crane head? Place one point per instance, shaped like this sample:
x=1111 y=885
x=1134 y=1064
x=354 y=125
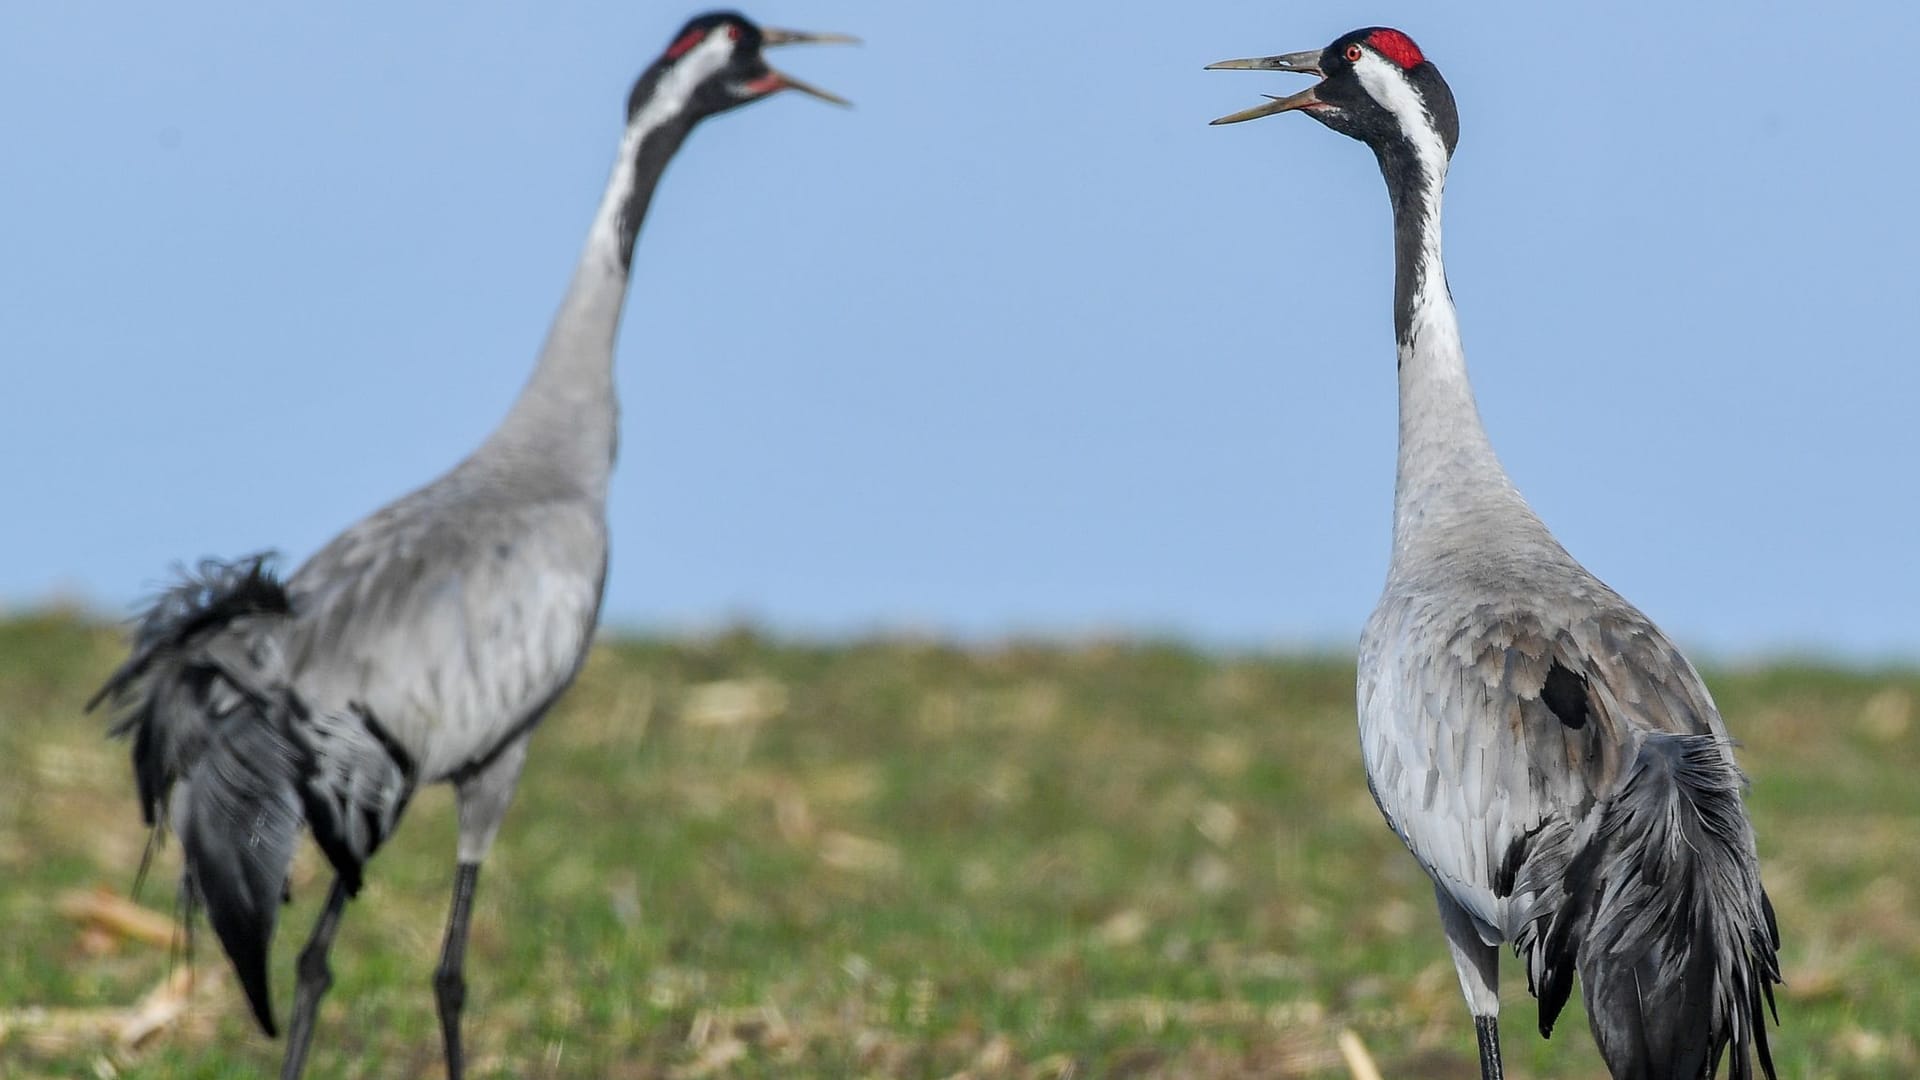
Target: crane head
x=714 y=64
x=1375 y=85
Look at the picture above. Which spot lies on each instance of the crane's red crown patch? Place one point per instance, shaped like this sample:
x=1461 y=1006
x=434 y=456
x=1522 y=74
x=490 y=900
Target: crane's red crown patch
x=693 y=37
x=1396 y=47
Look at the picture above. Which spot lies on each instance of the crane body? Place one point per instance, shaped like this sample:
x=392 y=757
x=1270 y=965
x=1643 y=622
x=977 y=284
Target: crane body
x=425 y=643
x=1549 y=757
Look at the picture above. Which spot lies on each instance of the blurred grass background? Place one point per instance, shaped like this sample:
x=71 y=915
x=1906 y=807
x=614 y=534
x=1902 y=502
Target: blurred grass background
x=741 y=857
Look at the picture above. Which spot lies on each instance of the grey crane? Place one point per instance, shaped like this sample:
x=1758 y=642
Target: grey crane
x=1549 y=757
x=425 y=643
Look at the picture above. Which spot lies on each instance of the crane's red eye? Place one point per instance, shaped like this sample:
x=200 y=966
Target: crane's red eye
x=1353 y=54
x=733 y=33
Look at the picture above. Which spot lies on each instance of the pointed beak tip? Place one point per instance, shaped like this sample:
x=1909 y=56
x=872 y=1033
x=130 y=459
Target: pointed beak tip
x=771 y=37
x=827 y=96
x=783 y=81
x=1275 y=104
x=1301 y=63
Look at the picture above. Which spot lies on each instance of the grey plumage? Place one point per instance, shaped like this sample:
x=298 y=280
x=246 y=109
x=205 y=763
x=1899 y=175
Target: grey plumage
x=212 y=710
x=1672 y=935
x=240 y=822
x=357 y=781
x=1617 y=848
x=1550 y=758
x=182 y=664
x=209 y=702
x=425 y=643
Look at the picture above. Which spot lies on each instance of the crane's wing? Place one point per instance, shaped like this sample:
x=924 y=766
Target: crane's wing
x=1489 y=745
x=1566 y=779
x=455 y=621
x=356 y=781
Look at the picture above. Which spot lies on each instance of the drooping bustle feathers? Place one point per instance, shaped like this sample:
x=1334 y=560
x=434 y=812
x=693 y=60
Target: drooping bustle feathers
x=1666 y=922
x=215 y=720
x=180 y=645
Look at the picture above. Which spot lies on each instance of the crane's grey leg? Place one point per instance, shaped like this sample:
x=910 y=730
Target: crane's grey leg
x=1478 y=965
x=482 y=796
x=315 y=979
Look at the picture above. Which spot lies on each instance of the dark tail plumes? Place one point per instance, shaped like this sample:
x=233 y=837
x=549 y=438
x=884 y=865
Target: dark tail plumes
x=209 y=703
x=206 y=699
x=1666 y=922
x=181 y=646
x=238 y=831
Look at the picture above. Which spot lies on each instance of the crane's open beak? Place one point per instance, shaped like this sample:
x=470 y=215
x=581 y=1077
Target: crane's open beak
x=779 y=80
x=1307 y=63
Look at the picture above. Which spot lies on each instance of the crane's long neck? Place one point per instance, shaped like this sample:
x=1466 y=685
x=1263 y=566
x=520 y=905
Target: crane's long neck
x=1448 y=474
x=564 y=425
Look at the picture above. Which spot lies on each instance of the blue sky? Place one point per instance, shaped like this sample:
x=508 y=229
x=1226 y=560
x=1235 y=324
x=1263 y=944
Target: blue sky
x=1017 y=345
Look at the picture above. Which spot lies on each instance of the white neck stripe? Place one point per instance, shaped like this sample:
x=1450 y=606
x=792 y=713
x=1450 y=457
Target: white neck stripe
x=1388 y=85
x=1431 y=323
x=669 y=99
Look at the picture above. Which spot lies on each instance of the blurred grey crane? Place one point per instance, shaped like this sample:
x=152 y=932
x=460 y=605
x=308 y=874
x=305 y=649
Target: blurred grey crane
x=423 y=644
x=1544 y=751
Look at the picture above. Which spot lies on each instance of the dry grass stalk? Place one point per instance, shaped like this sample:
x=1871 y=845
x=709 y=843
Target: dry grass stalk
x=109 y=911
x=52 y=1029
x=1359 y=1062
x=157 y=1010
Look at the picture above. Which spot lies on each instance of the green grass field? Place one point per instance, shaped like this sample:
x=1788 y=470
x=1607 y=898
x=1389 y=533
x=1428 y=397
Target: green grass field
x=738 y=857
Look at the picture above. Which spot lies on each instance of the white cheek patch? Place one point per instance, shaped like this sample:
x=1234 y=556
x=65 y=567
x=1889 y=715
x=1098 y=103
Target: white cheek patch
x=1431 y=325
x=694 y=67
x=1388 y=85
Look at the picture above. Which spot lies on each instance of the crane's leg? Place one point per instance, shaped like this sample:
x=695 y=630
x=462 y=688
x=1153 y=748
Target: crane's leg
x=449 y=979
x=1488 y=1030
x=315 y=979
x=1478 y=965
x=482 y=796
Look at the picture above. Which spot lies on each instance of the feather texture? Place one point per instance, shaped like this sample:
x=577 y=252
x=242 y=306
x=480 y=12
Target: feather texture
x=226 y=751
x=188 y=657
x=424 y=643
x=1550 y=758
